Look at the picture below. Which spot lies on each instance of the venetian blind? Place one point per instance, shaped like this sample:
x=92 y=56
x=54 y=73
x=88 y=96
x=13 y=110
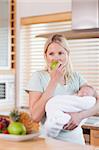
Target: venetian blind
x=4 y=35
x=84 y=54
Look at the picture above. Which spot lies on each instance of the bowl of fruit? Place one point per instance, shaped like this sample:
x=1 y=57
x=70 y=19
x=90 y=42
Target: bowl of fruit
x=18 y=126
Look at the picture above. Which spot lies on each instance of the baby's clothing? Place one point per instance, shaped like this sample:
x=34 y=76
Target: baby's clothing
x=58 y=105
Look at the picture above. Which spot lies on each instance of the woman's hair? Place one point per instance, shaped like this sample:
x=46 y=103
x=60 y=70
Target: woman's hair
x=61 y=40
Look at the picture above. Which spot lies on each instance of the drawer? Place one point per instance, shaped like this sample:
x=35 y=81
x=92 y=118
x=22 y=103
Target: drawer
x=94 y=137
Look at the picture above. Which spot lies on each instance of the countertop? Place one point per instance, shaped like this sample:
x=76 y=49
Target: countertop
x=42 y=144
x=92 y=123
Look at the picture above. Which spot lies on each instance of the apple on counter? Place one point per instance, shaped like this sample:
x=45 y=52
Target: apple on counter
x=17 y=128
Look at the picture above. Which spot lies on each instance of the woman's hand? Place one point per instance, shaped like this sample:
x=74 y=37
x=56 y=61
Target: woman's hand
x=58 y=72
x=74 y=121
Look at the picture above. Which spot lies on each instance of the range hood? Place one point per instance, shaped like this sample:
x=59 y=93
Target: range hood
x=85 y=20
x=85 y=14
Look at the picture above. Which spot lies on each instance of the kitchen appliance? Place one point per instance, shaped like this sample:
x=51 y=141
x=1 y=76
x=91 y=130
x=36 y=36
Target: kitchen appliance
x=7 y=91
x=85 y=14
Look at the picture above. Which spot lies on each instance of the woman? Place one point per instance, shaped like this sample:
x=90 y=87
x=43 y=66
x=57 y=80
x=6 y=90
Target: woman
x=61 y=80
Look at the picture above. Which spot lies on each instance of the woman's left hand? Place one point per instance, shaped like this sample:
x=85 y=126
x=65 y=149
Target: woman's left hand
x=74 y=121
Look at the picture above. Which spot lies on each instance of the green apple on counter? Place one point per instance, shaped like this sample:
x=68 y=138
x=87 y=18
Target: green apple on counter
x=53 y=65
x=17 y=128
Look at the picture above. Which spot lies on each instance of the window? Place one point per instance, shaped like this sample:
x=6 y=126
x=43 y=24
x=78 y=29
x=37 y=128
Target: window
x=7 y=34
x=84 y=53
x=4 y=35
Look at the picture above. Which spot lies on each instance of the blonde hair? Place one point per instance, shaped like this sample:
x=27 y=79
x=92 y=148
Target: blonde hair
x=61 y=40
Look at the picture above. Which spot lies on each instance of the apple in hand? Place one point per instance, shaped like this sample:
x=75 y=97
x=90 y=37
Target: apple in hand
x=53 y=65
x=17 y=128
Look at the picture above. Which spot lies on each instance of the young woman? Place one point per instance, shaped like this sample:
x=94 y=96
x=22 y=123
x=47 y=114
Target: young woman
x=59 y=81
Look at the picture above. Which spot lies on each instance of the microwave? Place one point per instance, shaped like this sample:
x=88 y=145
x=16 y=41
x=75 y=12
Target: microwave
x=7 y=91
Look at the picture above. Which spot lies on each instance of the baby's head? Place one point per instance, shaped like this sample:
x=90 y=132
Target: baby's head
x=87 y=90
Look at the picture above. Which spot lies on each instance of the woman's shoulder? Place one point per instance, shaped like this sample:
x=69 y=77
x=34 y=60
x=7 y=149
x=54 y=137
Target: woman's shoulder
x=76 y=74
x=78 y=77
x=40 y=72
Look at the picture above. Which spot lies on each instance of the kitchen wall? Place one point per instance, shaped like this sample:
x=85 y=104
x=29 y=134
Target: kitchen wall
x=33 y=8
x=27 y=8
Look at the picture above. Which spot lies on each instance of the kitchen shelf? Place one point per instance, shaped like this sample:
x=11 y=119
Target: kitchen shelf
x=76 y=34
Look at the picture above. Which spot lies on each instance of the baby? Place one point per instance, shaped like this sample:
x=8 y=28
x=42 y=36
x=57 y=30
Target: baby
x=58 y=105
x=87 y=90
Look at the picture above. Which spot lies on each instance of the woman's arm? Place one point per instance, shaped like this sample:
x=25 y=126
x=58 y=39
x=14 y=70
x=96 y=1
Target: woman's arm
x=76 y=117
x=38 y=100
x=91 y=111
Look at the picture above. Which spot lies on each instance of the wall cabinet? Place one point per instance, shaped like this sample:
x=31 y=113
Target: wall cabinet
x=91 y=134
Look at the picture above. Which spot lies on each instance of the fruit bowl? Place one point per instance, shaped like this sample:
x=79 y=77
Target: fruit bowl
x=18 y=126
x=19 y=138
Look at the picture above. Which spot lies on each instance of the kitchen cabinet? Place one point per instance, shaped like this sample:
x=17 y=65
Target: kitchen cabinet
x=94 y=137
x=91 y=135
x=91 y=132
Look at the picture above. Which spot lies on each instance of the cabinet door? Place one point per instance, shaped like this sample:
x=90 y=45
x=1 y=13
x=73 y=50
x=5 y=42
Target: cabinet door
x=94 y=137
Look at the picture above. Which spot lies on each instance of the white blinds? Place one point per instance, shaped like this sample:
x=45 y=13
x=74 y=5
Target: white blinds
x=3 y=47
x=84 y=53
x=85 y=58
x=4 y=35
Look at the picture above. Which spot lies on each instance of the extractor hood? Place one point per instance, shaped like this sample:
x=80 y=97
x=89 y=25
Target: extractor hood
x=85 y=20
x=85 y=14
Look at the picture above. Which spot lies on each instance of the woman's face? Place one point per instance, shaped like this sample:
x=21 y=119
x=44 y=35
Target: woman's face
x=56 y=53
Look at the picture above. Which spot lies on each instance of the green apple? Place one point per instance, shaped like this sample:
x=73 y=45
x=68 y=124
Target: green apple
x=53 y=65
x=17 y=128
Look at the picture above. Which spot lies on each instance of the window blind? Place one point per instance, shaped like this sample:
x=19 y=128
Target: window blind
x=4 y=35
x=84 y=54
x=3 y=47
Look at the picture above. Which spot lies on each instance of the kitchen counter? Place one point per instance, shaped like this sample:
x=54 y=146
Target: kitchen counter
x=42 y=144
x=91 y=137
x=92 y=123
x=90 y=126
x=91 y=130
